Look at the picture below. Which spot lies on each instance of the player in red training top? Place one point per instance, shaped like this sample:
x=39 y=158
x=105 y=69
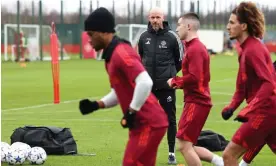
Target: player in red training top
x=195 y=84
x=131 y=88
x=251 y=153
x=255 y=83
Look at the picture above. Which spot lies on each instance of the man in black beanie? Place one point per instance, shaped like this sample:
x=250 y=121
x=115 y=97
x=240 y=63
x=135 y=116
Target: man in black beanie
x=131 y=88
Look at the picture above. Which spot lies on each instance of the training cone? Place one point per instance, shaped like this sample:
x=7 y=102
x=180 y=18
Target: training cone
x=23 y=65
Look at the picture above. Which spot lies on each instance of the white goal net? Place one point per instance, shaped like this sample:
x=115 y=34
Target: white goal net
x=131 y=32
x=30 y=46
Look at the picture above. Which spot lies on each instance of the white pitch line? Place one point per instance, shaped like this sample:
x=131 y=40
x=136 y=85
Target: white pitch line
x=222 y=93
x=42 y=105
x=71 y=101
x=178 y=106
x=224 y=80
x=102 y=120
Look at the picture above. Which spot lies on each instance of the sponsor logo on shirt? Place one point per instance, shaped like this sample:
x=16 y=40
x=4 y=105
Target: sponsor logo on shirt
x=169 y=99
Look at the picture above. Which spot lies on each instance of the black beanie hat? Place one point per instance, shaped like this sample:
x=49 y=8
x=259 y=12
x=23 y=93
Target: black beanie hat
x=101 y=20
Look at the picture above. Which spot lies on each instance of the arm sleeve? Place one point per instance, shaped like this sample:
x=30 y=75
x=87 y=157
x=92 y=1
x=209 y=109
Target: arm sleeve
x=178 y=52
x=110 y=100
x=195 y=71
x=140 y=47
x=142 y=90
x=263 y=73
x=129 y=64
x=239 y=94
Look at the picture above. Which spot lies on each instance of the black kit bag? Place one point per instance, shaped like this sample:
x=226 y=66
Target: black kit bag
x=54 y=140
x=212 y=141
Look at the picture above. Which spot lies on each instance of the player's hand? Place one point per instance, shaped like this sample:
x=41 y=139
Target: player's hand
x=128 y=119
x=170 y=83
x=86 y=106
x=274 y=65
x=227 y=113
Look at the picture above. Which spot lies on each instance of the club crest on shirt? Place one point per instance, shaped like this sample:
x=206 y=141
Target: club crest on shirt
x=163 y=44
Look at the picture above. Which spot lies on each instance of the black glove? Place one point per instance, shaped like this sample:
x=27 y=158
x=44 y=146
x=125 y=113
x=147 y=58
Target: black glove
x=241 y=119
x=227 y=113
x=128 y=120
x=274 y=64
x=86 y=106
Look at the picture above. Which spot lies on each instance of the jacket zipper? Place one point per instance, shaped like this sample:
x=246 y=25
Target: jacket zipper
x=154 y=61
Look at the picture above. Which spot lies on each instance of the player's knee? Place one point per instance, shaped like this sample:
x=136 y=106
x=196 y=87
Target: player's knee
x=185 y=146
x=226 y=155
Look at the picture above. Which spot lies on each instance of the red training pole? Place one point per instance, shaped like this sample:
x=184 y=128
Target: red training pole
x=55 y=63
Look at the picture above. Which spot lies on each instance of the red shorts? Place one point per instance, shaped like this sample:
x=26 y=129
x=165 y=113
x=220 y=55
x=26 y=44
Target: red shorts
x=142 y=146
x=192 y=121
x=260 y=129
x=252 y=153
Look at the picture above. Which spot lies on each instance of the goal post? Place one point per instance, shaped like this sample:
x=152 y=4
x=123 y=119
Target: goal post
x=30 y=44
x=131 y=32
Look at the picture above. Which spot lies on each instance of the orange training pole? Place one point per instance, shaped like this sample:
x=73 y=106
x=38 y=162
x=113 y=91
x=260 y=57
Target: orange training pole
x=55 y=63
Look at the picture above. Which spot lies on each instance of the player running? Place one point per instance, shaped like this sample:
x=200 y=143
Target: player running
x=195 y=84
x=130 y=87
x=255 y=83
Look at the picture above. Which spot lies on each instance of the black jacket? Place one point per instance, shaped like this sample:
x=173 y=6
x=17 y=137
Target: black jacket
x=161 y=54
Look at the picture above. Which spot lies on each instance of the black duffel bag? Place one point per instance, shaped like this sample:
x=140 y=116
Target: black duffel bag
x=54 y=140
x=212 y=141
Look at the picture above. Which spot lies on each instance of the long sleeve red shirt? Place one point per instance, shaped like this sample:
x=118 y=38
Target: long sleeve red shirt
x=255 y=80
x=195 y=74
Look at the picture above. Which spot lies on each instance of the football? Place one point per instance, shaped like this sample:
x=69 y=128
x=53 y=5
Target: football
x=23 y=147
x=37 y=156
x=16 y=157
x=5 y=150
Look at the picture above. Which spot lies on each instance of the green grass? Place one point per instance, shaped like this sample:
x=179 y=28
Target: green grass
x=99 y=132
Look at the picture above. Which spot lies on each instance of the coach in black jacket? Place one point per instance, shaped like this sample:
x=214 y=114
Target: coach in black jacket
x=161 y=51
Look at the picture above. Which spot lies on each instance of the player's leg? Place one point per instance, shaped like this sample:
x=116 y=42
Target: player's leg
x=250 y=135
x=271 y=139
x=17 y=57
x=187 y=150
x=206 y=155
x=23 y=49
x=250 y=155
x=190 y=125
x=150 y=153
x=271 y=142
x=203 y=153
x=232 y=153
x=135 y=146
x=142 y=146
x=167 y=100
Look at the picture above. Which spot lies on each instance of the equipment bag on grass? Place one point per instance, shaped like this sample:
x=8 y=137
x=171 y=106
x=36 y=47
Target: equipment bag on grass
x=54 y=140
x=212 y=141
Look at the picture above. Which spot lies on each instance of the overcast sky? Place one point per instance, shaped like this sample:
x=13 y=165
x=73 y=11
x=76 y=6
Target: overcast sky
x=121 y=5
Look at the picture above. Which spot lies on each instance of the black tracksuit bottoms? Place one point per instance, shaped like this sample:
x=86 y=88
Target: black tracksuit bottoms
x=167 y=100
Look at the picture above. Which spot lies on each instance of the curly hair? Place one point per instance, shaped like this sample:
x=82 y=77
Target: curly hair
x=247 y=12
